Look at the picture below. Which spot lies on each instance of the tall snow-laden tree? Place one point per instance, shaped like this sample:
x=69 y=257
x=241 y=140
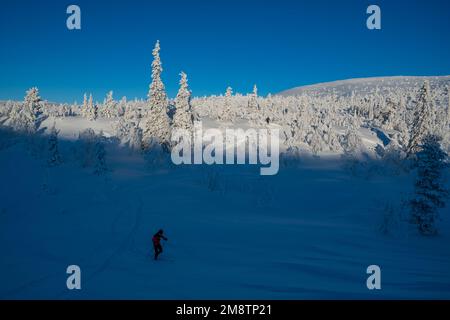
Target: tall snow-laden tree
x=84 y=107
x=430 y=191
x=54 y=157
x=121 y=107
x=33 y=100
x=423 y=121
x=29 y=113
x=156 y=127
x=253 y=106
x=127 y=128
x=91 y=112
x=227 y=110
x=109 y=106
x=183 y=118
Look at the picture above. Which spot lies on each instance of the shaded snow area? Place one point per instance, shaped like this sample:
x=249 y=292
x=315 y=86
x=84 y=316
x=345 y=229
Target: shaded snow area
x=70 y=128
x=309 y=232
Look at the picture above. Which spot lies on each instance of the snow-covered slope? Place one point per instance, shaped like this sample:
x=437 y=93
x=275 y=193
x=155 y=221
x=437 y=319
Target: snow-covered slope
x=364 y=85
x=309 y=232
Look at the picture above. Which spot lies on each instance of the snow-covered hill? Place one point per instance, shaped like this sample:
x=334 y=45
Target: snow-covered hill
x=366 y=85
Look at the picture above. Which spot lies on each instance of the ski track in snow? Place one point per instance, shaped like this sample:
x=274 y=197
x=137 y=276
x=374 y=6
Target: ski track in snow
x=120 y=249
x=125 y=243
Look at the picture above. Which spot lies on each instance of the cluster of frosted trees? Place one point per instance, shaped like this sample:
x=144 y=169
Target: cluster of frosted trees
x=415 y=121
x=315 y=122
x=25 y=116
x=143 y=125
x=331 y=123
x=138 y=124
x=148 y=125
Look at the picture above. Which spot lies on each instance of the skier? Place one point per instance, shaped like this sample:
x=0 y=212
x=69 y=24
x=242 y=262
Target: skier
x=157 y=243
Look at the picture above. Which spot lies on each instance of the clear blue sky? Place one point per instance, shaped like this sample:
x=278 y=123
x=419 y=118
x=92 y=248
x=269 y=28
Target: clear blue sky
x=275 y=44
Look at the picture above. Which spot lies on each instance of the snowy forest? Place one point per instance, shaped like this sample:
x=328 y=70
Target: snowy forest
x=389 y=136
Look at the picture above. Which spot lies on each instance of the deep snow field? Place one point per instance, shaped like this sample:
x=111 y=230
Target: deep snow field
x=309 y=232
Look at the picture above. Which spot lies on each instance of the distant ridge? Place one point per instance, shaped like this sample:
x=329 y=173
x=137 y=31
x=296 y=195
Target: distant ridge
x=361 y=85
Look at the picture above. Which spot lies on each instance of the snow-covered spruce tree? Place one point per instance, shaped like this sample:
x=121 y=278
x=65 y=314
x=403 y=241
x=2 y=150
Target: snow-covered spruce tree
x=109 y=106
x=100 y=166
x=430 y=191
x=29 y=113
x=253 y=107
x=28 y=119
x=54 y=157
x=121 y=107
x=227 y=110
x=33 y=100
x=84 y=107
x=128 y=130
x=423 y=121
x=183 y=118
x=91 y=112
x=156 y=128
